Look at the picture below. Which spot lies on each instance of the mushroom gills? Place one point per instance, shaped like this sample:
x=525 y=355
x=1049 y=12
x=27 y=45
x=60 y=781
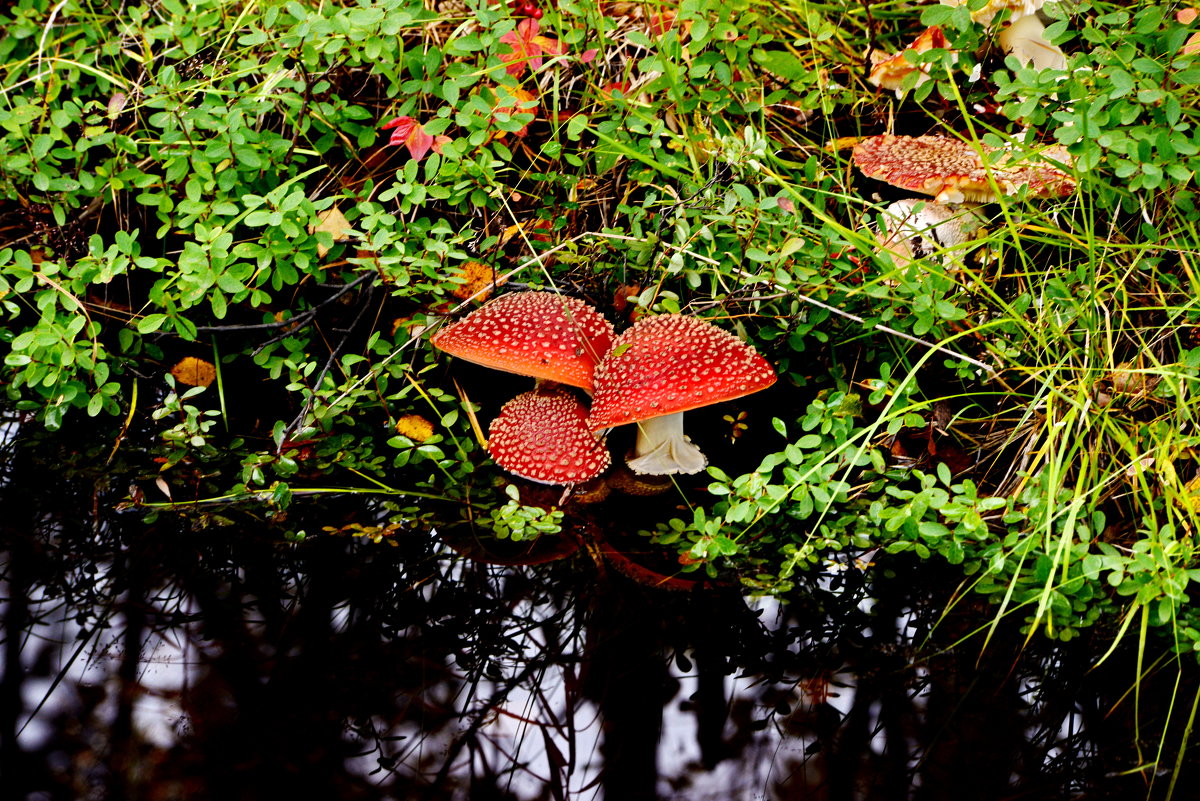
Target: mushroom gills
x=917 y=229
x=662 y=449
x=1026 y=39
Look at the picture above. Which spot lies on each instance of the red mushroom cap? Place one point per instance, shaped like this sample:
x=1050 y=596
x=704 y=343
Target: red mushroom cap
x=952 y=171
x=538 y=334
x=668 y=364
x=543 y=436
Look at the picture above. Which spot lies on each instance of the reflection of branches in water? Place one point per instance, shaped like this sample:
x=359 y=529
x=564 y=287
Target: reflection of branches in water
x=345 y=669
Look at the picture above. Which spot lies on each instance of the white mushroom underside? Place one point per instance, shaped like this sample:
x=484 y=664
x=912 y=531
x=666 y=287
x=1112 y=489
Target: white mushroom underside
x=1026 y=39
x=918 y=229
x=662 y=449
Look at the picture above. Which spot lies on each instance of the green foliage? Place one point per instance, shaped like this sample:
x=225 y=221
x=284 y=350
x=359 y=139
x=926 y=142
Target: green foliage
x=517 y=522
x=1023 y=405
x=1122 y=110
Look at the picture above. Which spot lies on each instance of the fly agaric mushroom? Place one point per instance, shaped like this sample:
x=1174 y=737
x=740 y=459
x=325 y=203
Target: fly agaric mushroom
x=889 y=72
x=664 y=366
x=954 y=172
x=538 y=334
x=542 y=435
x=916 y=229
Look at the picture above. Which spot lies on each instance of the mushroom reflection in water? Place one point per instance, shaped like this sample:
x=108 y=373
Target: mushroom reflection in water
x=662 y=367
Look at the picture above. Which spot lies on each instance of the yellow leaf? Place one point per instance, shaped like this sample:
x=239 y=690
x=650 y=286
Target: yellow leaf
x=415 y=427
x=333 y=222
x=194 y=372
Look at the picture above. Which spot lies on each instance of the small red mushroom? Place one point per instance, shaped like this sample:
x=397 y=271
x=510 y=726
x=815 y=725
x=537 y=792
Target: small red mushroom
x=542 y=435
x=538 y=334
x=664 y=366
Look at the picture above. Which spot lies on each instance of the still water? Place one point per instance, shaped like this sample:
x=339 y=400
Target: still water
x=208 y=658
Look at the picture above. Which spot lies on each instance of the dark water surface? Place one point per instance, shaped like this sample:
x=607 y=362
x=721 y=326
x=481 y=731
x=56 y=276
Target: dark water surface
x=207 y=658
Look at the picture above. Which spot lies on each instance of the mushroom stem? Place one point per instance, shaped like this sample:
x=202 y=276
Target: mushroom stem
x=662 y=449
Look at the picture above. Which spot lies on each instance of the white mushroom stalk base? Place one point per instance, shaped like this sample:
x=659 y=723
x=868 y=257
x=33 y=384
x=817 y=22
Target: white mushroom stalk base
x=662 y=449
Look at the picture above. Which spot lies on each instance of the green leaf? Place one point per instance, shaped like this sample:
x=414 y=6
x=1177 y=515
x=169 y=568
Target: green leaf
x=781 y=64
x=151 y=323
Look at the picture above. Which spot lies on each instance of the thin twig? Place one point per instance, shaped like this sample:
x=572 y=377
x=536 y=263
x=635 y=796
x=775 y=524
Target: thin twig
x=316 y=386
x=302 y=319
x=885 y=329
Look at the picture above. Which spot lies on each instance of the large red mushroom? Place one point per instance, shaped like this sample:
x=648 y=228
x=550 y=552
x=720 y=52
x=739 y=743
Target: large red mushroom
x=664 y=366
x=538 y=334
x=542 y=435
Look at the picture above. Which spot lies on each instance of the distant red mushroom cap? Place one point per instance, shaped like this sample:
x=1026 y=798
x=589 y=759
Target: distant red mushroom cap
x=538 y=334
x=953 y=171
x=543 y=436
x=668 y=364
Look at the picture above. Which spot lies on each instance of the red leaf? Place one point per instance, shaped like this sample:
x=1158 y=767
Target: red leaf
x=410 y=134
x=607 y=90
x=419 y=143
x=527 y=47
x=398 y=122
x=403 y=129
